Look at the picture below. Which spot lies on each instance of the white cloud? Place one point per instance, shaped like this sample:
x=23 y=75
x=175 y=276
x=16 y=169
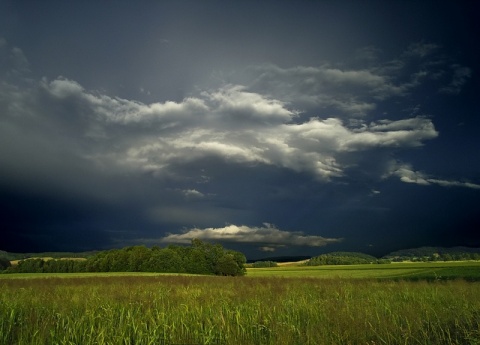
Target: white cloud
x=267 y=249
x=267 y=234
x=63 y=88
x=229 y=123
x=243 y=106
x=353 y=92
x=311 y=146
x=406 y=174
x=331 y=135
x=447 y=183
x=251 y=125
x=192 y=193
x=385 y=133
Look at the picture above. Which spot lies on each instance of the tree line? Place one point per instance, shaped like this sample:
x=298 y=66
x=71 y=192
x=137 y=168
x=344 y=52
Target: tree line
x=344 y=258
x=439 y=257
x=264 y=264
x=199 y=258
x=435 y=254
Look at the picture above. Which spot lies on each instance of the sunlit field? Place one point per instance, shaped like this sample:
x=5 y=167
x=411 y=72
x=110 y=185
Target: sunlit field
x=173 y=309
x=469 y=270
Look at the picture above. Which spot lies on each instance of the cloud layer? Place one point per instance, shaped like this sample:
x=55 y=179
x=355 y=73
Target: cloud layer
x=229 y=123
x=336 y=124
x=267 y=235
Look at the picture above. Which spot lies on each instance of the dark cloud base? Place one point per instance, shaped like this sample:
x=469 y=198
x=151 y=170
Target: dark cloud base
x=377 y=224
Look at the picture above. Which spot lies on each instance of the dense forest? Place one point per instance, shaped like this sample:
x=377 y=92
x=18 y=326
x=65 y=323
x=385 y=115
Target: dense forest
x=199 y=258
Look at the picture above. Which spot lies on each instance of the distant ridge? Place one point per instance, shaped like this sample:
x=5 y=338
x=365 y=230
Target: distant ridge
x=55 y=255
x=404 y=254
x=429 y=251
x=282 y=259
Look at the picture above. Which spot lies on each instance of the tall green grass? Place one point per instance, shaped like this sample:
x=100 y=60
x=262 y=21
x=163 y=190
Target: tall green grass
x=237 y=310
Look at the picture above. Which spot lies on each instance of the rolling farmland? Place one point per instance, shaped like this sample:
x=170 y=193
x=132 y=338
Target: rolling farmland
x=283 y=305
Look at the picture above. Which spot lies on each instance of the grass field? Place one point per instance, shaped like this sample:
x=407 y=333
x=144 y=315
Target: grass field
x=338 y=305
x=469 y=270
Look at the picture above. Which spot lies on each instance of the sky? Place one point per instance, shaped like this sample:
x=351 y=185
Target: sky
x=272 y=127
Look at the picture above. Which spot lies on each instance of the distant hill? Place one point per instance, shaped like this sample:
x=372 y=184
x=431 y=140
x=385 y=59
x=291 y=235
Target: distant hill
x=282 y=259
x=435 y=253
x=344 y=258
x=55 y=255
x=354 y=255
x=411 y=254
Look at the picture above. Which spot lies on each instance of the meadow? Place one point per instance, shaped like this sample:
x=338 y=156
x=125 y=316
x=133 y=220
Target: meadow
x=332 y=307
x=468 y=270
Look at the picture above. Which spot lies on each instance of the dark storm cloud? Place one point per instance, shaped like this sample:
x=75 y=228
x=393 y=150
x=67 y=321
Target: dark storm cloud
x=197 y=132
x=356 y=92
x=112 y=134
x=460 y=75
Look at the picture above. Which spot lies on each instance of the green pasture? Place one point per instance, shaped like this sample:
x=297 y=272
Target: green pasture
x=469 y=270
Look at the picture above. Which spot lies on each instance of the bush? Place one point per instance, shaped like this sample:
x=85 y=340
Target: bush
x=261 y=264
x=4 y=264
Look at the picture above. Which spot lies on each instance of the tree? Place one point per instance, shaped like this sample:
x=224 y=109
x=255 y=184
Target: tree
x=196 y=262
x=229 y=265
x=119 y=260
x=139 y=255
x=447 y=257
x=165 y=260
x=4 y=264
x=30 y=266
